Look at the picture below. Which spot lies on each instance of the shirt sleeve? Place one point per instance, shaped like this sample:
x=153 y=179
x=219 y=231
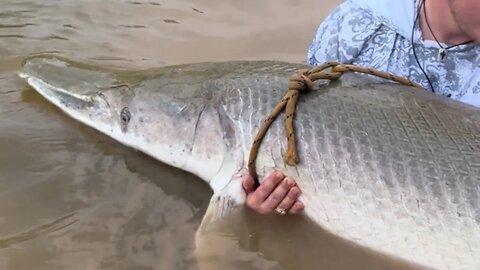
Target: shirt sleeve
x=342 y=35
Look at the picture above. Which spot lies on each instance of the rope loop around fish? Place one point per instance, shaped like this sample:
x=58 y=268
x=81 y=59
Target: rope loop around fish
x=302 y=82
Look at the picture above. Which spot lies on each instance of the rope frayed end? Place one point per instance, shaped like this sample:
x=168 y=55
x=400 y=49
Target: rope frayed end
x=291 y=157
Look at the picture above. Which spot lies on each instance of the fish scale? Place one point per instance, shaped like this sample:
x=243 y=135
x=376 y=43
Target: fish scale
x=416 y=126
x=388 y=167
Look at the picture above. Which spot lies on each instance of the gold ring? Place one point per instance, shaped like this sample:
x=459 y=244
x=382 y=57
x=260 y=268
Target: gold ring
x=280 y=211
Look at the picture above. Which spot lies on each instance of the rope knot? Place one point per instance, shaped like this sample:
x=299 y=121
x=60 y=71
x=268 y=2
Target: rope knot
x=300 y=82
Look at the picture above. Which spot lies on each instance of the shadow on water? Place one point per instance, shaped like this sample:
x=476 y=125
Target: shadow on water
x=296 y=242
x=286 y=242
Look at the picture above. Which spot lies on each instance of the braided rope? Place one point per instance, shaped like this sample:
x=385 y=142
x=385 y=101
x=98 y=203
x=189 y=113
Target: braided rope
x=300 y=82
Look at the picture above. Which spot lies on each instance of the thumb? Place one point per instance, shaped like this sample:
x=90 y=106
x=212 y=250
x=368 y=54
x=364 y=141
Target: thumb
x=248 y=184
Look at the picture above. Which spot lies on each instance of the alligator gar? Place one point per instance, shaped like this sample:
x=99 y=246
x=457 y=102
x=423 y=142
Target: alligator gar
x=389 y=167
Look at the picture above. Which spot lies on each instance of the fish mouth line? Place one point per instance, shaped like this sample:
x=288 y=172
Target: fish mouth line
x=49 y=91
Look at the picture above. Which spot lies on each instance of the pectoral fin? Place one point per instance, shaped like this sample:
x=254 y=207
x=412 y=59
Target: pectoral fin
x=220 y=239
x=217 y=213
x=213 y=240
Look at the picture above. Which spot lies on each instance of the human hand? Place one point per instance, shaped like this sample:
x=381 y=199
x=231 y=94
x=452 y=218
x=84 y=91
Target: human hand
x=277 y=192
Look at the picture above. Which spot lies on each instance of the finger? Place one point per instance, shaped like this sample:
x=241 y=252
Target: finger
x=268 y=186
x=278 y=194
x=297 y=207
x=290 y=199
x=248 y=184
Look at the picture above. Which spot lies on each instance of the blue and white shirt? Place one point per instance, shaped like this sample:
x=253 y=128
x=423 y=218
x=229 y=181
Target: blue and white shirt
x=378 y=34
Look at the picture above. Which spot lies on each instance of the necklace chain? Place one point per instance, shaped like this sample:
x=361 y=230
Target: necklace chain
x=442 y=52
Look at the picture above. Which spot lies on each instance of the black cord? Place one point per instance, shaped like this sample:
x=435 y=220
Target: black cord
x=413 y=45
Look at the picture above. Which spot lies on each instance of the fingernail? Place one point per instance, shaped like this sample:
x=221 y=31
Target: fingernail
x=302 y=206
x=289 y=182
x=298 y=206
x=277 y=174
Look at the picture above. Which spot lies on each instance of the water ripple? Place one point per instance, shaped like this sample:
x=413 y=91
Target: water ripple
x=33 y=233
x=170 y=21
x=16 y=14
x=132 y=26
x=197 y=10
x=16 y=25
x=134 y=2
x=50 y=37
x=13 y=36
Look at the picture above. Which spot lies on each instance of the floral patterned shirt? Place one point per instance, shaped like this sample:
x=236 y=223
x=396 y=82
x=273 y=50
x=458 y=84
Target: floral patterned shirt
x=378 y=34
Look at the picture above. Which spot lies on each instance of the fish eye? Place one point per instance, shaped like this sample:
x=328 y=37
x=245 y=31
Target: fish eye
x=125 y=116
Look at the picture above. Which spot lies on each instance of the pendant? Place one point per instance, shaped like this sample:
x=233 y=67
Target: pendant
x=442 y=54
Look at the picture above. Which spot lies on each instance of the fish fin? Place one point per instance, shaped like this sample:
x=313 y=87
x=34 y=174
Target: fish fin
x=218 y=210
x=221 y=241
x=212 y=244
x=228 y=196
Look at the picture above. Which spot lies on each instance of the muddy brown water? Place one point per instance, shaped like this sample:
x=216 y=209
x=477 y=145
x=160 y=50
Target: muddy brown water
x=71 y=198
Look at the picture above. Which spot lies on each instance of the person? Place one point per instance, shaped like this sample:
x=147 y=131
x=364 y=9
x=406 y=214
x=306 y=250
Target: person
x=431 y=42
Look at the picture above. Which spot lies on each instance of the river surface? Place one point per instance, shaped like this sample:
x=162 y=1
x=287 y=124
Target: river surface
x=71 y=198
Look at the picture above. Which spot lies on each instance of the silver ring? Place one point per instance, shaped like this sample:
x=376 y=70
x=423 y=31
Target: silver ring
x=280 y=211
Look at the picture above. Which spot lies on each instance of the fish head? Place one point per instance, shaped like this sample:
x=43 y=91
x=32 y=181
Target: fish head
x=92 y=96
x=170 y=115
